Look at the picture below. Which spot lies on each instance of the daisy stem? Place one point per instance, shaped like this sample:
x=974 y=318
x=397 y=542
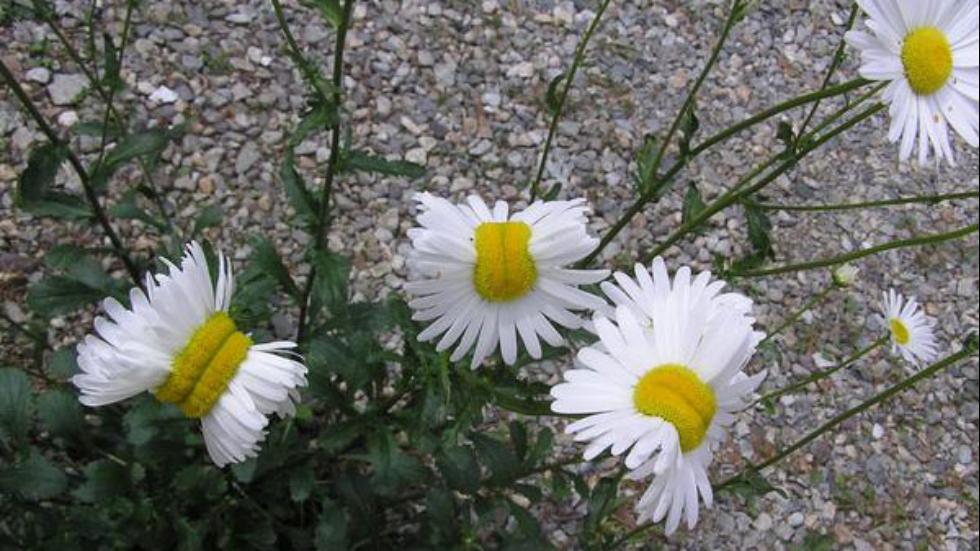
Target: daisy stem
x=970 y=349
x=849 y=257
x=834 y=65
x=657 y=189
x=814 y=300
x=742 y=189
x=819 y=375
x=928 y=199
x=559 y=107
x=79 y=168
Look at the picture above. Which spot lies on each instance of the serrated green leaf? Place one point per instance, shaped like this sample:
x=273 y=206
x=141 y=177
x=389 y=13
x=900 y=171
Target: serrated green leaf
x=95 y=129
x=689 y=127
x=332 y=276
x=103 y=480
x=759 y=230
x=441 y=510
x=497 y=458
x=16 y=402
x=63 y=364
x=693 y=203
x=147 y=143
x=60 y=413
x=331 y=527
x=601 y=503
x=301 y=482
x=266 y=259
x=209 y=217
x=331 y=11
x=392 y=468
x=459 y=468
x=359 y=160
x=60 y=295
x=127 y=209
x=35 y=479
x=645 y=157
x=551 y=98
x=111 y=63
x=34 y=187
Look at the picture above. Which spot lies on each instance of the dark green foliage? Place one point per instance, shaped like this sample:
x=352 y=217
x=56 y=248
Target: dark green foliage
x=35 y=192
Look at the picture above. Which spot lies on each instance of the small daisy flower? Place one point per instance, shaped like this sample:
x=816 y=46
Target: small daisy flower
x=489 y=276
x=911 y=330
x=927 y=51
x=662 y=384
x=178 y=342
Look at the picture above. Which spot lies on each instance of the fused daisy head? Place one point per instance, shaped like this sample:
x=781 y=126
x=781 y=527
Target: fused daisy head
x=178 y=342
x=910 y=329
x=926 y=50
x=662 y=383
x=487 y=276
x=845 y=275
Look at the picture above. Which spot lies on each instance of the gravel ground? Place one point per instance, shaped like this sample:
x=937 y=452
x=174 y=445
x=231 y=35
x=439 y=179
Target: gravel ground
x=458 y=85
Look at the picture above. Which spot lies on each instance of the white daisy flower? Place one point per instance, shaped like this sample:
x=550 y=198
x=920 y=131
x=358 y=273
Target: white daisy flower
x=911 y=330
x=927 y=50
x=488 y=276
x=663 y=383
x=178 y=342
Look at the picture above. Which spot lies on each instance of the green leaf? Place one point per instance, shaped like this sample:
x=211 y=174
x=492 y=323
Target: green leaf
x=111 y=64
x=441 y=510
x=63 y=364
x=35 y=479
x=358 y=160
x=60 y=413
x=328 y=354
x=332 y=276
x=750 y=484
x=127 y=209
x=497 y=458
x=645 y=176
x=331 y=527
x=147 y=143
x=60 y=295
x=693 y=203
x=689 y=127
x=392 y=467
x=459 y=468
x=303 y=202
x=301 y=482
x=34 y=193
x=601 y=503
x=330 y=10
x=815 y=541
x=759 y=229
x=95 y=129
x=209 y=217
x=103 y=480
x=551 y=98
x=16 y=402
x=266 y=259
x=518 y=438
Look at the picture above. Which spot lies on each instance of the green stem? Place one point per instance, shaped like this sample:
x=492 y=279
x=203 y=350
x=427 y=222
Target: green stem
x=566 y=86
x=849 y=257
x=928 y=199
x=333 y=163
x=834 y=65
x=742 y=189
x=820 y=375
x=641 y=202
x=310 y=72
x=882 y=396
x=814 y=300
x=693 y=92
x=79 y=169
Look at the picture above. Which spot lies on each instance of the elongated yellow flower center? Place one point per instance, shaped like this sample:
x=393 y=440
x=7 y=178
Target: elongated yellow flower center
x=504 y=268
x=202 y=370
x=899 y=331
x=677 y=395
x=928 y=60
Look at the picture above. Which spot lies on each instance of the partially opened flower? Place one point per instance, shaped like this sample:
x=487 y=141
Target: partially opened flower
x=663 y=387
x=911 y=330
x=927 y=52
x=489 y=276
x=178 y=342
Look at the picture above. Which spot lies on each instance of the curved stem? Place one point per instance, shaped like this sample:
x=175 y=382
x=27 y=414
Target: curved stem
x=79 y=169
x=820 y=375
x=897 y=244
x=333 y=163
x=566 y=86
x=688 y=104
x=814 y=300
x=928 y=199
x=742 y=189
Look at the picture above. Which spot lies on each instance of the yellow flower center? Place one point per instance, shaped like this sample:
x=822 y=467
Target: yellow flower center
x=202 y=369
x=899 y=331
x=504 y=268
x=928 y=60
x=677 y=395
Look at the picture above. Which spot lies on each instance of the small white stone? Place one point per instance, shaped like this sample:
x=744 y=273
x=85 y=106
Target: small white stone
x=416 y=155
x=522 y=70
x=877 y=431
x=796 y=519
x=763 y=522
x=164 y=95
x=68 y=119
x=39 y=74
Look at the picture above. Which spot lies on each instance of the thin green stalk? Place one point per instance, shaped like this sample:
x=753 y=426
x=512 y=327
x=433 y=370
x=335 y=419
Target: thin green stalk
x=814 y=300
x=38 y=339
x=882 y=396
x=566 y=86
x=834 y=65
x=928 y=199
x=310 y=73
x=849 y=257
x=79 y=169
x=110 y=96
x=823 y=374
x=742 y=190
x=688 y=104
x=641 y=202
x=322 y=221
